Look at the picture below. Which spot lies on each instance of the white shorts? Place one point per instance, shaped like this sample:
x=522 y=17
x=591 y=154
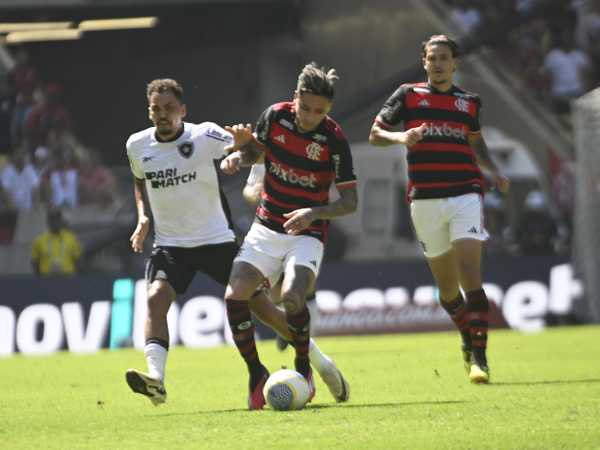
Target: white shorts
x=274 y=253
x=440 y=221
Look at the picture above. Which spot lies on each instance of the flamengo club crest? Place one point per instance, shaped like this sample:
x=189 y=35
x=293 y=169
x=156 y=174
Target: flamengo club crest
x=186 y=149
x=313 y=151
x=462 y=105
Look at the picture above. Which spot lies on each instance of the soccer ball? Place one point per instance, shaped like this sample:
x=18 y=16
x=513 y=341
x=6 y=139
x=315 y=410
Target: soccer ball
x=286 y=390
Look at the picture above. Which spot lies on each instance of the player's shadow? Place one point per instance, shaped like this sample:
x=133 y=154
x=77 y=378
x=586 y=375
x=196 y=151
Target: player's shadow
x=542 y=382
x=384 y=405
x=326 y=406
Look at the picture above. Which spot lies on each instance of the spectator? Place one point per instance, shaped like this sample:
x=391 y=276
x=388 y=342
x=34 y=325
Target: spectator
x=63 y=181
x=57 y=250
x=97 y=184
x=21 y=183
x=7 y=106
x=47 y=117
x=588 y=34
x=23 y=81
x=567 y=69
x=465 y=16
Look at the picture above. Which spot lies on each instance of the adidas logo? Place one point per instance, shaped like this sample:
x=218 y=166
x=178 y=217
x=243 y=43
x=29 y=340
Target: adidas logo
x=424 y=102
x=280 y=138
x=147 y=158
x=313 y=262
x=473 y=230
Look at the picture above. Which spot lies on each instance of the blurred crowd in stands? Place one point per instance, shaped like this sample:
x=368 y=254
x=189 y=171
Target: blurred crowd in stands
x=42 y=164
x=553 y=44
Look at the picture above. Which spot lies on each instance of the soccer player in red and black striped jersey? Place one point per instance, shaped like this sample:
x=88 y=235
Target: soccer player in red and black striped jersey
x=445 y=153
x=304 y=152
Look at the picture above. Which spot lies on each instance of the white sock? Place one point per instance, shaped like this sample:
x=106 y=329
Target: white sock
x=318 y=359
x=156 y=358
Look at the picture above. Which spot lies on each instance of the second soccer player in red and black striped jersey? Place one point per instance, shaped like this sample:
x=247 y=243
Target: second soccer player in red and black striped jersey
x=304 y=152
x=445 y=151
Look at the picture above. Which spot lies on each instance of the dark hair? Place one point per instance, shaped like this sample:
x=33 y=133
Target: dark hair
x=317 y=80
x=440 y=39
x=163 y=85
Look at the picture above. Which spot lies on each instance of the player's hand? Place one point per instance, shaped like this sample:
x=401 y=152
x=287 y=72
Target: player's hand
x=139 y=235
x=298 y=220
x=501 y=182
x=231 y=164
x=414 y=135
x=242 y=135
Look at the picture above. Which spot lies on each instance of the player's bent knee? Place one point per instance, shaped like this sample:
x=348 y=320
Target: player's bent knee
x=293 y=302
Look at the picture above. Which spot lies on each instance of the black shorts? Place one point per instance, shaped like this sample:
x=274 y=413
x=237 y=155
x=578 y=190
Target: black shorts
x=178 y=265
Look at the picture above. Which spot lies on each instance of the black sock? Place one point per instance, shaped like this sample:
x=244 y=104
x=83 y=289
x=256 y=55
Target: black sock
x=159 y=341
x=299 y=326
x=457 y=310
x=478 y=307
x=242 y=328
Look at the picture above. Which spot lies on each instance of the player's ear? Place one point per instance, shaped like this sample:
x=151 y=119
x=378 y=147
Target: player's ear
x=183 y=111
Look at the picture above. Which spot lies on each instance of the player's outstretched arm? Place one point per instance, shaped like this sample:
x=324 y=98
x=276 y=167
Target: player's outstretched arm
x=300 y=219
x=143 y=222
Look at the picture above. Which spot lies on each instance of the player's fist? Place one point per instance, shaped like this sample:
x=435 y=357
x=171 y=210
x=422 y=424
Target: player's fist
x=231 y=164
x=139 y=234
x=414 y=135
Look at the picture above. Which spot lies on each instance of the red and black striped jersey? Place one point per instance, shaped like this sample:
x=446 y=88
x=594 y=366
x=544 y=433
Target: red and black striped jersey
x=443 y=163
x=300 y=167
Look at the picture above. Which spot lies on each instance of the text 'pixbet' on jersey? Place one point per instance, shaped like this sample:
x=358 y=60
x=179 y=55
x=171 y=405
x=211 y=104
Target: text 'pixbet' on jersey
x=445 y=130
x=168 y=177
x=290 y=176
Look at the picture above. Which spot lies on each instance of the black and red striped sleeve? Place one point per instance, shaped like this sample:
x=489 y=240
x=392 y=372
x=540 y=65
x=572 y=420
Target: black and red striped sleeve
x=342 y=163
x=263 y=125
x=476 y=122
x=393 y=110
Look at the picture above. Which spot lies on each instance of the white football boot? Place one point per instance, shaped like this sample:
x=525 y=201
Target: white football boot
x=335 y=381
x=152 y=388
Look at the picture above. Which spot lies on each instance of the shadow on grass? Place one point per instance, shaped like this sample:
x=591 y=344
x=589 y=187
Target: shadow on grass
x=542 y=382
x=325 y=406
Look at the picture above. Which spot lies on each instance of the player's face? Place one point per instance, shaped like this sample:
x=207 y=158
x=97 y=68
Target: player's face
x=166 y=113
x=310 y=110
x=439 y=64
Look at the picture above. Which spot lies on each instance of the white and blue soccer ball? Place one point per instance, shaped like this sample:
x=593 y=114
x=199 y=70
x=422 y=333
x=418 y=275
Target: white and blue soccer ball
x=286 y=390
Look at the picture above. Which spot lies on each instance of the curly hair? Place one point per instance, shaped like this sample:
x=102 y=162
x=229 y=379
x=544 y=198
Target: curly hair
x=163 y=85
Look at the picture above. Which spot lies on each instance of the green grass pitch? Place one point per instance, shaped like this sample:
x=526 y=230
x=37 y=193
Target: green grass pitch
x=408 y=392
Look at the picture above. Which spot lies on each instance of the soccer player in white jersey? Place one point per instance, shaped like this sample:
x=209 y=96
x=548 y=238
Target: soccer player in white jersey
x=173 y=163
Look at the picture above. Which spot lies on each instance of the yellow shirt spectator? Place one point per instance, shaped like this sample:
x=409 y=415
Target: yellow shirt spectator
x=56 y=252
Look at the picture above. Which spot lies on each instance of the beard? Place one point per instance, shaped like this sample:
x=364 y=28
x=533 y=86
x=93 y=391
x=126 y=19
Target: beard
x=164 y=129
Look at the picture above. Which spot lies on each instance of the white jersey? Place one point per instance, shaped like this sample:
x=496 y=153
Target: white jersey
x=182 y=184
